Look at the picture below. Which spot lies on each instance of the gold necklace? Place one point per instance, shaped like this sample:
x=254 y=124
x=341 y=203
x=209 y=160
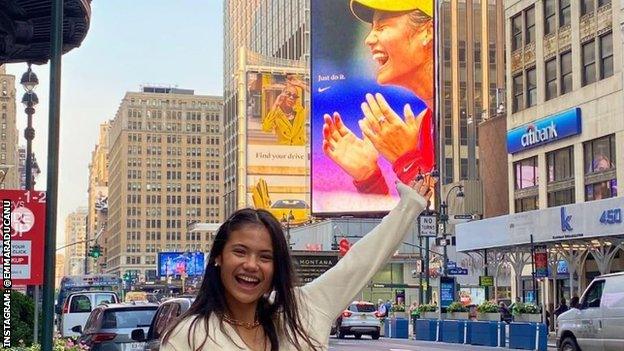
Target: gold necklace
x=236 y=322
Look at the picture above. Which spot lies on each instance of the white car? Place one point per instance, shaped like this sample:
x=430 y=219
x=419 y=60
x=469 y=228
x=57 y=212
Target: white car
x=360 y=318
x=78 y=306
x=598 y=322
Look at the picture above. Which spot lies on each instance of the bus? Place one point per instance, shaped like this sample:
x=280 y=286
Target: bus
x=89 y=282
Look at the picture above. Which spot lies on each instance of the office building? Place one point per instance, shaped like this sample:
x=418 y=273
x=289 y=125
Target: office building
x=165 y=173
x=98 y=198
x=265 y=33
x=9 y=176
x=565 y=144
x=75 y=232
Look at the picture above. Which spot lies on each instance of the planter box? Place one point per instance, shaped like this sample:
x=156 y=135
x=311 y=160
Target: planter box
x=487 y=334
x=399 y=314
x=396 y=328
x=454 y=331
x=528 y=336
x=496 y=317
x=526 y=317
x=430 y=315
x=457 y=315
x=426 y=329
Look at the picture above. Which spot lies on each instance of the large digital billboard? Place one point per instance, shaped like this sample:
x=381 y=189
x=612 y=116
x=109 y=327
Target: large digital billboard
x=172 y=264
x=373 y=96
x=277 y=139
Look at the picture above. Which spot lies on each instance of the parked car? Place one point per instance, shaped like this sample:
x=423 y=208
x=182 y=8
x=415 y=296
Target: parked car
x=109 y=327
x=598 y=322
x=78 y=306
x=360 y=318
x=165 y=315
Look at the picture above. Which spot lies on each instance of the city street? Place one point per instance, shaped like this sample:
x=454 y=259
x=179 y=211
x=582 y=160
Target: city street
x=385 y=344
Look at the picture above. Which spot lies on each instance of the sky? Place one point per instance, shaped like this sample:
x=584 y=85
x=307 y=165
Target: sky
x=129 y=44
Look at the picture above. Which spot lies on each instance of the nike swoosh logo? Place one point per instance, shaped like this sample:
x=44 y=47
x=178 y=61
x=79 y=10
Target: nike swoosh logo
x=408 y=167
x=320 y=90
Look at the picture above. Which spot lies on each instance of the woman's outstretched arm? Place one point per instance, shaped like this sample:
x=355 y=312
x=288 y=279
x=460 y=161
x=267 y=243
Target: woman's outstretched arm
x=333 y=290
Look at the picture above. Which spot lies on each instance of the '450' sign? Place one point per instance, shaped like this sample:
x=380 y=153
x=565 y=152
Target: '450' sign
x=611 y=216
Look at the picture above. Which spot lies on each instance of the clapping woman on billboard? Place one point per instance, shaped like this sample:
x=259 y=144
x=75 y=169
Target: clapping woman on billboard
x=401 y=42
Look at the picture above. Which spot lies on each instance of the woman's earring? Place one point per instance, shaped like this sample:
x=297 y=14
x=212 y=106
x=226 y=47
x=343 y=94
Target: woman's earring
x=216 y=264
x=270 y=296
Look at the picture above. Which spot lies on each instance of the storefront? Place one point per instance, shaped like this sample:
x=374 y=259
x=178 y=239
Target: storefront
x=578 y=241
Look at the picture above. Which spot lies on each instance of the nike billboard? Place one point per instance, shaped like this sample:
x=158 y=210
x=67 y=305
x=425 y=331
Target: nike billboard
x=372 y=101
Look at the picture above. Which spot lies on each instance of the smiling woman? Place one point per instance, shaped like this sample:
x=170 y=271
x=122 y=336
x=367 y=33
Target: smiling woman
x=247 y=299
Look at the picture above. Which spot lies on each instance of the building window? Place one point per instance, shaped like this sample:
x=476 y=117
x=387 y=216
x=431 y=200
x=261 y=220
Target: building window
x=516 y=32
x=606 y=56
x=587 y=6
x=531 y=87
x=529 y=17
x=551 y=79
x=602 y=3
x=526 y=173
x=560 y=164
x=589 y=63
x=526 y=204
x=518 y=99
x=600 y=175
x=550 y=20
x=566 y=72
x=600 y=154
x=560 y=170
x=564 y=13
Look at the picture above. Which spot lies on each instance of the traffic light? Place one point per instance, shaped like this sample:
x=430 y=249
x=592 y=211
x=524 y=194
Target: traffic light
x=95 y=251
x=126 y=276
x=345 y=245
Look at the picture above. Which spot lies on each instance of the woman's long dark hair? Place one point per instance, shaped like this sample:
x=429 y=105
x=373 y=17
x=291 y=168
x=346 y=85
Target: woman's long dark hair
x=211 y=295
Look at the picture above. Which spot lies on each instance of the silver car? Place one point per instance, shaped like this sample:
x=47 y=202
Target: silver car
x=360 y=318
x=109 y=327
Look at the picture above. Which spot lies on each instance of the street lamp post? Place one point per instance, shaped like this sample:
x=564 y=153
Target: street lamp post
x=444 y=217
x=286 y=221
x=30 y=100
x=29 y=81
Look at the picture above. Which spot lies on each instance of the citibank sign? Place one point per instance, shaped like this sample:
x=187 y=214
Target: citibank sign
x=544 y=131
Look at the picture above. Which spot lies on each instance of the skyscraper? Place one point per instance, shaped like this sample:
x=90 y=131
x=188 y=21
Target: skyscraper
x=165 y=161
x=472 y=79
x=75 y=231
x=270 y=33
x=9 y=177
x=98 y=196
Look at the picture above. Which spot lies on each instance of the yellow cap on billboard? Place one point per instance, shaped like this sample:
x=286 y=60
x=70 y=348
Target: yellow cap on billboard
x=364 y=9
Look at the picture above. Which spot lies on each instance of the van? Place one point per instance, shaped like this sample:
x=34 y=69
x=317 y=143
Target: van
x=598 y=321
x=78 y=306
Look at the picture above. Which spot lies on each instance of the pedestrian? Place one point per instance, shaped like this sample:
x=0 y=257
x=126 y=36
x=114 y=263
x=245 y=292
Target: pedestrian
x=247 y=299
x=561 y=308
x=381 y=308
x=504 y=312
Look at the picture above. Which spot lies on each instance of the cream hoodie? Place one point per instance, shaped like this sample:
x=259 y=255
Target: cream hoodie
x=323 y=299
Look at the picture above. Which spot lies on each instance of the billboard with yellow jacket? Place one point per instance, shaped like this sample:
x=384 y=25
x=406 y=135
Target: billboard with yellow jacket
x=277 y=139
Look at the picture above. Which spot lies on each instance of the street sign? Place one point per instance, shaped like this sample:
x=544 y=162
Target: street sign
x=451 y=264
x=25 y=211
x=419 y=266
x=486 y=280
x=457 y=271
x=428 y=226
x=462 y=216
